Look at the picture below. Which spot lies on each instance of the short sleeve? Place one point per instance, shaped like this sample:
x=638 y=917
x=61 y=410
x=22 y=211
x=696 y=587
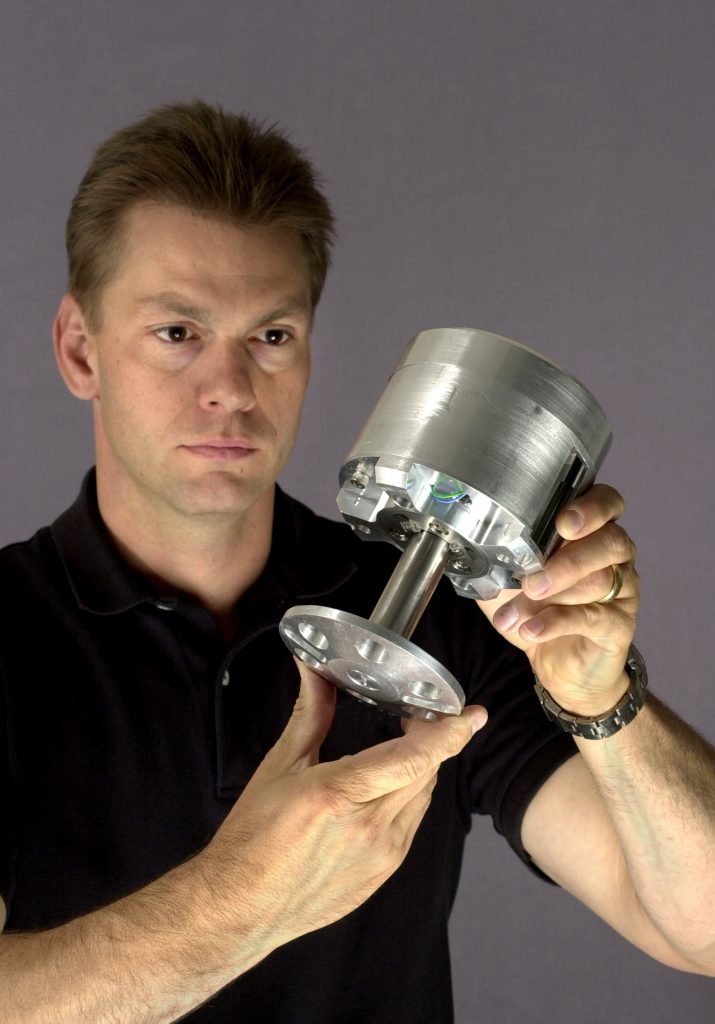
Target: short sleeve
x=517 y=750
x=7 y=843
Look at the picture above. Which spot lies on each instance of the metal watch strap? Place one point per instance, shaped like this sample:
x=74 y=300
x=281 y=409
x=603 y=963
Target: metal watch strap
x=602 y=726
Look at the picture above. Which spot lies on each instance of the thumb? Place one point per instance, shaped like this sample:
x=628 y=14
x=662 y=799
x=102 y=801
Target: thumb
x=298 y=746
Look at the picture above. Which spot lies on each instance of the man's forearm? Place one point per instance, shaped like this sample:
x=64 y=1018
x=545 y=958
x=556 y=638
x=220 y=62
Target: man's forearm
x=147 y=959
x=657 y=779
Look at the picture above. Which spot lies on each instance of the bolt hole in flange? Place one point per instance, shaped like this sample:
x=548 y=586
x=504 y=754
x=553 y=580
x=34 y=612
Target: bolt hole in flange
x=423 y=713
x=291 y=635
x=371 y=650
x=313 y=635
x=428 y=691
x=309 y=660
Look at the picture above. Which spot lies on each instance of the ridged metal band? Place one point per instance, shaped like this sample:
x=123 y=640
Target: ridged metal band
x=601 y=726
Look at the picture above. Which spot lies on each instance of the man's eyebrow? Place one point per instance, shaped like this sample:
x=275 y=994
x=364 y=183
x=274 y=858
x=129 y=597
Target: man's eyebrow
x=172 y=302
x=175 y=304
x=291 y=309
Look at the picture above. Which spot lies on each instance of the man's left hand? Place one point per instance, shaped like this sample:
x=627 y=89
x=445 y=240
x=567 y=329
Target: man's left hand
x=577 y=645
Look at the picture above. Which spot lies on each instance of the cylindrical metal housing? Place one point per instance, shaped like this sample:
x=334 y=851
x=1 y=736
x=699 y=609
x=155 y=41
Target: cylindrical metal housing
x=482 y=437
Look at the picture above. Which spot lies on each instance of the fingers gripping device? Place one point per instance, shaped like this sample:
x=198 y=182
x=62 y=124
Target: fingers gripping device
x=473 y=447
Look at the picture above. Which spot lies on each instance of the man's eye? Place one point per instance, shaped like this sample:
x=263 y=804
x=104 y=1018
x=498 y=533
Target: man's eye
x=274 y=336
x=174 y=333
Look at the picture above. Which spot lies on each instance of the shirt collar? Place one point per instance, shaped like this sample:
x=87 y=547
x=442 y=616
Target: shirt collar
x=310 y=556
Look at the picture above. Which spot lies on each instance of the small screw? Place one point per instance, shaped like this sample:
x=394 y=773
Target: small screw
x=438 y=528
x=361 y=476
x=460 y=566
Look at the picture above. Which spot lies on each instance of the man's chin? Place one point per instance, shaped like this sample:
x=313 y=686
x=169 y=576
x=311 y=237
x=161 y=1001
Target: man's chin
x=220 y=499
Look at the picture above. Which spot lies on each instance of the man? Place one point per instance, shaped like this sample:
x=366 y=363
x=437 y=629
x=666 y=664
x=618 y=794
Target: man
x=176 y=840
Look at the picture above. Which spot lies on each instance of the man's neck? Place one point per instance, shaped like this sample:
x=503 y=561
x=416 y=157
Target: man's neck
x=214 y=559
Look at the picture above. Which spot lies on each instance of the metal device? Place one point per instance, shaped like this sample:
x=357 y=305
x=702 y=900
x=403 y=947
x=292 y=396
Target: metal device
x=471 y=450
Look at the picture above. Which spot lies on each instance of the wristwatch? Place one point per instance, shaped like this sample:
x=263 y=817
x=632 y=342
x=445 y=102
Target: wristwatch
x=602 y=726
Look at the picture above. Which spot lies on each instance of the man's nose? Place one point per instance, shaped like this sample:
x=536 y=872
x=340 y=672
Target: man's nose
x=226 y=381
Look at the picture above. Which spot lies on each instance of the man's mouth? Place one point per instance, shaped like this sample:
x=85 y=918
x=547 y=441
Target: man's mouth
x=221 y=448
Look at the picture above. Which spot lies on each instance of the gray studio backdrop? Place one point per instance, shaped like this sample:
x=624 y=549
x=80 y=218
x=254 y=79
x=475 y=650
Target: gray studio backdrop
x=543 y=170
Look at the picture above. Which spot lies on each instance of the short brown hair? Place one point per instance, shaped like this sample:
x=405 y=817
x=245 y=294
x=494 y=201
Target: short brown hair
x=197 y=156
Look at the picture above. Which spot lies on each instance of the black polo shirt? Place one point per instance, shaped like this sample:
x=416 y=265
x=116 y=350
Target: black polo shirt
x=129 y=727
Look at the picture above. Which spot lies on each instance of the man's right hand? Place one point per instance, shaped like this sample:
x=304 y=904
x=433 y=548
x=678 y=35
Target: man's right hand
x=306 y=843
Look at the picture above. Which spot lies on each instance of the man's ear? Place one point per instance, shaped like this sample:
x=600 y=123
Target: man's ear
x=74 y=351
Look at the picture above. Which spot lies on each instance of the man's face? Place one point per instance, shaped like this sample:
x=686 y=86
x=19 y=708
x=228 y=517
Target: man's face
x=201 y=362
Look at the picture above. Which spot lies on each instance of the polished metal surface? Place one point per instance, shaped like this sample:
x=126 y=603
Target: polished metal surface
x=483 y=437
x=412 y=584
x=471 y=450
x=371 y=662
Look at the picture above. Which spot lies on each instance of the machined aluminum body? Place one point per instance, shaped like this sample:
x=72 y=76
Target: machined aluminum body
x=471 y=450
x=483 y=438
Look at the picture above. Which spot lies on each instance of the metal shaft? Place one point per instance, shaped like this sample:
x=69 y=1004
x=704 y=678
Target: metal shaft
x=412 y=584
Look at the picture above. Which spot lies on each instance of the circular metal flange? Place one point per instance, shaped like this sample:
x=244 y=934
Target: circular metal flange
x=371 y=662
